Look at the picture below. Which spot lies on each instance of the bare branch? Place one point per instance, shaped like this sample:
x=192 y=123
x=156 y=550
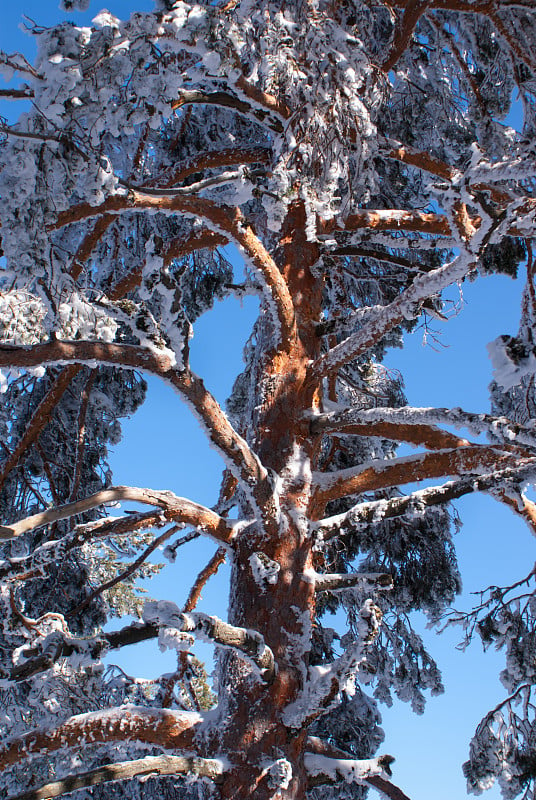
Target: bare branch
x=206 y=573
x=175 y=508
x=126 y=770
x=389 y=219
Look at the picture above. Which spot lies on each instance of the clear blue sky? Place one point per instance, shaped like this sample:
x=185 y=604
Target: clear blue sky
x=163 y=448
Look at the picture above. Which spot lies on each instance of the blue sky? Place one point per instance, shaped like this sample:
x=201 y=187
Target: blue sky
x=163 y=448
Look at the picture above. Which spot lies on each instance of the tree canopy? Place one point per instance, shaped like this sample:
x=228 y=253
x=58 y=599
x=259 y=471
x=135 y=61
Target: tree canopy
x=356 y=155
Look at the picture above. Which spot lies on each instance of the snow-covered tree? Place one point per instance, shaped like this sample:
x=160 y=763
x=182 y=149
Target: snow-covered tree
x=354 y=153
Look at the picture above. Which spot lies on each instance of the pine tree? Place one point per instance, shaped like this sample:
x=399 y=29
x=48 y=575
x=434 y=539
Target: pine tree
x=354 y=153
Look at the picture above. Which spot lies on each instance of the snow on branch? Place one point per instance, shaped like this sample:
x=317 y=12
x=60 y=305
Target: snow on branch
x=224 y=219
x=56 y=645
x=323 y=769
x=56 y=549
x=319 y=747
x=227 y=100
x=381 y=320
x=247 y=643
x=429 y=436
x=362 y=514
x=326 y=682
x=174 y=730
x=406 y=417
x=408 y=469
x=336 y=581
x=234 y=449
x=178 y=509
x=150 y=766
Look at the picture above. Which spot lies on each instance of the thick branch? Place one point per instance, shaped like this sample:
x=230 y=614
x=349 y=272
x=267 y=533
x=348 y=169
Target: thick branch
x=363 y=514
x=246 y=642
x=126 y=770
x=233 y=447
x=389 y=219
x=497 y=428
x=426 y=435
x=216 y=158
x=58 y=645
x=227 y=100
x=316 y=745
x=419 y=158
x=336 y=581
x=174 y=730
x=410 y=469
x=404 y=31
x=176 y=508
x=228 y=221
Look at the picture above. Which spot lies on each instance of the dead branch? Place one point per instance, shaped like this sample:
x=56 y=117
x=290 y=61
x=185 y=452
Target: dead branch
x=316 y=745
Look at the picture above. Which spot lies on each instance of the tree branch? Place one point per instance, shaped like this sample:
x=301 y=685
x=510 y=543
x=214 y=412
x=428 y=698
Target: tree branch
x=316 y=745
x=233 y=447
x=426 y=435
x=173 y=730
x=40 y=419
x=125 y=573
x=389 y=219
x=363 y=514
x=228 y=221
x=227 y=100
x=496 y=427
x=246 y=642
x=126 y=770
x=333 y=582
x=178 y=509
x=55 y=551
x=404 y=29
x=409 y=469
